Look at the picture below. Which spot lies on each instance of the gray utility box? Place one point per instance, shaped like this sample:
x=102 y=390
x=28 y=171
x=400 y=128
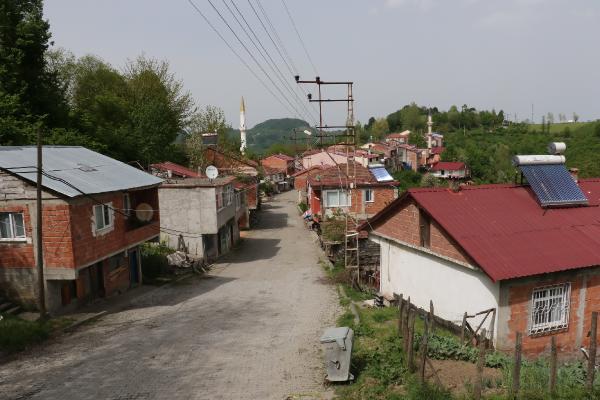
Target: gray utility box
x=337 y=346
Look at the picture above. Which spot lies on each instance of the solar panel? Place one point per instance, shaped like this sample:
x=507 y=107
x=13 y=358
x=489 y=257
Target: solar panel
x=553 y=185
x=381 y=174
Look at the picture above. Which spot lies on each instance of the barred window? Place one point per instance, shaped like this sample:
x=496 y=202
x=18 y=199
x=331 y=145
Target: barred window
x=550 y=308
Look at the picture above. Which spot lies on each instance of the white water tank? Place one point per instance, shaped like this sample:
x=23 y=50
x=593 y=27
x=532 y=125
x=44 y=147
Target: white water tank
x=557 y=148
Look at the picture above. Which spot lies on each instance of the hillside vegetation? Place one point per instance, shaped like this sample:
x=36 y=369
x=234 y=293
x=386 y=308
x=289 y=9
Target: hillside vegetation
x=489 y=154
x=270 y=132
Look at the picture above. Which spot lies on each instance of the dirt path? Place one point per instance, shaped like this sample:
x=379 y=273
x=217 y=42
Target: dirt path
x=248 y=331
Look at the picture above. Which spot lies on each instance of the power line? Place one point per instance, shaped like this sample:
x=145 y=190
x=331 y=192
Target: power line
x=300 y=37
x=252 y=56
x=238 y=56
x=287 y=55
x=264 y=54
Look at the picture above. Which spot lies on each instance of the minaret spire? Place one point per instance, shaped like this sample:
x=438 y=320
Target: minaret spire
x=429 y=131
x=242 y=127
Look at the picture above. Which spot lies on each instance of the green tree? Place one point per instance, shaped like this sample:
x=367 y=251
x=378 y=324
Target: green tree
x=380 y=128
x=208 y=120
x=29 y=94
x=412 y=117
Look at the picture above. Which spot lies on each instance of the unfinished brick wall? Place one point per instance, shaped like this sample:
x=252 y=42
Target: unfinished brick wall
x=585 y=286
x=403 y=224
x=442 y=243
x=89 y=247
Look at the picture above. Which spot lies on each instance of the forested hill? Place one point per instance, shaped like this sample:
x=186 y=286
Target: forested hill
x=272 y=131
x=489 y=154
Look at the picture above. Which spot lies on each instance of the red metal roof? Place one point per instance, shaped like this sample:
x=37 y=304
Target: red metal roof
x=176 y=169
x=448 y=166
x=505 y=231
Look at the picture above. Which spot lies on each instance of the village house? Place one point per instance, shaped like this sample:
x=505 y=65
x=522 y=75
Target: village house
x=434 y=155
x=301 y=182
x=326 y=190
x=535 y=262
x=311 y=158
x=229 y=164
x=399 y=137
x=389 y=151
x=450 y=170
x=96 y=212
x=281 y=162
x=411 y=157
x=276 y=176
x=200 y=215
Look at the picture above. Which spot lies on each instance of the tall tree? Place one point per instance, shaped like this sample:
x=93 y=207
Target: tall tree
x=29 y=93
x=210 y=119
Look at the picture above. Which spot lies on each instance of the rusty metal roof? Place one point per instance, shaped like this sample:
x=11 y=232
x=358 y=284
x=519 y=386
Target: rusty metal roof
x=448 y=166
x=506 y=232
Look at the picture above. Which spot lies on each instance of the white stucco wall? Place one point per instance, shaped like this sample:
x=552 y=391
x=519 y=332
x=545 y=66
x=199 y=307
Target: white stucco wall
x=452 y=287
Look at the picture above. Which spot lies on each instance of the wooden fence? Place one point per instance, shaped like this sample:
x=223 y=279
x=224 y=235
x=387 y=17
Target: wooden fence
x=407 y=313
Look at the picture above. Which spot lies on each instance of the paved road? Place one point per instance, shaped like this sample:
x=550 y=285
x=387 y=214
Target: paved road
x=247 y=331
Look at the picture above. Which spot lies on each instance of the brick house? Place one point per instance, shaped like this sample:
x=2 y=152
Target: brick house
x=399 y=137
x=280 y=162
x=301 y=182
x=326 y=191
x=494 y=246
x=435 y=155
x=207 y=223
x=96 y=212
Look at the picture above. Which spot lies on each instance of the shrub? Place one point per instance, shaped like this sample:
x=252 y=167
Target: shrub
x=154 y=259
x=16 y=334
x=303 y=206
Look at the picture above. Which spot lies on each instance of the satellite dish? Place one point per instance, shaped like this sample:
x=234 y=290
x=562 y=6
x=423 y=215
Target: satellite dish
x=144 y=212
x=212 y=172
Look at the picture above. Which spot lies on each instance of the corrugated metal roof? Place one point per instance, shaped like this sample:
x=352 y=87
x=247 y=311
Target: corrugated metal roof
x=85 y=169
x=505 y=231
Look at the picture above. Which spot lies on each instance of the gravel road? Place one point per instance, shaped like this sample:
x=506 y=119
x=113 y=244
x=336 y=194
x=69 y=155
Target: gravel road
x=248 y=330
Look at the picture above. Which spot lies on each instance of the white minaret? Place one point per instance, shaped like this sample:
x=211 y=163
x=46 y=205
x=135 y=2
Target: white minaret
x=242 y=127
x=429 y=132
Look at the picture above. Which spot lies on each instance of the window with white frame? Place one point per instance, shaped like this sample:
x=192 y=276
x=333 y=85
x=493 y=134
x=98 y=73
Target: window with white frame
x=336 y=198
x=12 y=225
x=550 y=308
x=369 y=196
x=103 y=216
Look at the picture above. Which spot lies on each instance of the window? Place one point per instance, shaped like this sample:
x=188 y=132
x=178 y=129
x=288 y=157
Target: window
x=336 y=198
x=550 y=308
x=219 y=196
x=12 y=225
x=369 y=196
x=127 y=205
x=424 y=229
x=103 y=216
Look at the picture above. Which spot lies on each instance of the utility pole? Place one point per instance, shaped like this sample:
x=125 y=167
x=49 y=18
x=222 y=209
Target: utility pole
x=349 y=141
x=39 y=231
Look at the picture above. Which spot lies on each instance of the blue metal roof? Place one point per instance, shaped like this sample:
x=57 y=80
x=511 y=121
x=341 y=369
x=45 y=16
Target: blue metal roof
x=553 y=185
x=86 y=170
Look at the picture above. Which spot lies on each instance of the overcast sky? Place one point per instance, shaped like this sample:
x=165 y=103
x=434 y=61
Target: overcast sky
x=503 y=54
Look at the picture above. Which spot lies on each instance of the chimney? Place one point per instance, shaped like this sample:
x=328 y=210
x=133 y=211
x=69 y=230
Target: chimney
x=574 y=174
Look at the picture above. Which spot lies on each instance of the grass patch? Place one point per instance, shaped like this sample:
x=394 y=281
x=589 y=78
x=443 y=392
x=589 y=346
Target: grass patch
x=17 y=334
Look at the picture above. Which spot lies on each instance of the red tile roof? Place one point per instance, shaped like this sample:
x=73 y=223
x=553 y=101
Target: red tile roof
x=305 y=171
x=505 y=231
x=437 y=150
x=332 y=176
x=176 y=169
x=271 y=170
x=448 y=166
